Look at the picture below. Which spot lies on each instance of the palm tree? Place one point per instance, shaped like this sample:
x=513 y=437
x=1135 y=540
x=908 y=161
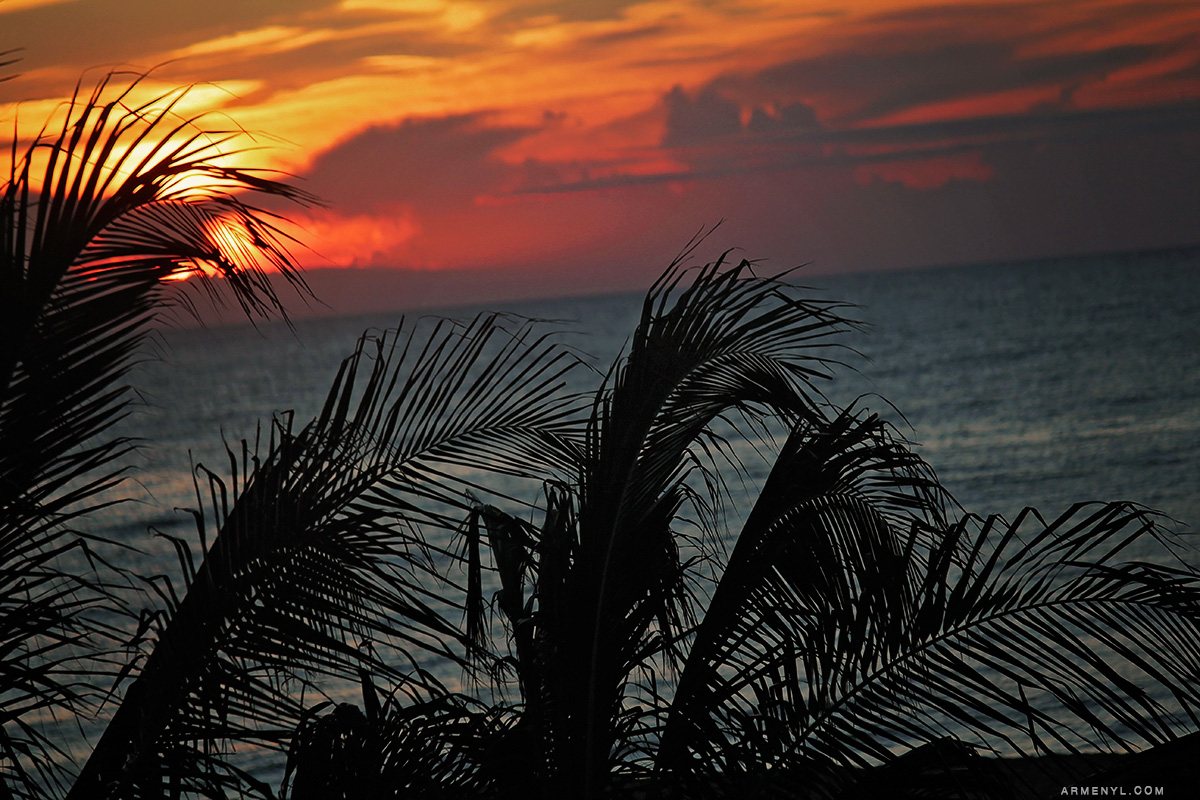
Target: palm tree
x=308 y=560
x=843 y=632
x=856 y=619
x=323 y=563
x=94 y=215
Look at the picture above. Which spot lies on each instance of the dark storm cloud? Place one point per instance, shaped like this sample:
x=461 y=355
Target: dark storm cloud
x=882 y=83
x=436 y=163
x=898 y=60
x=906 y=60
x=1038 y=127
x=1189 y=71
x=792 y=118
x=707 y=132
x=692 y=121
x=795 y=138
x=950 y=19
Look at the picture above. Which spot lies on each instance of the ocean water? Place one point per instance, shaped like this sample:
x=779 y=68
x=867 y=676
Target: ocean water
x=1046 y=383
x=1033 y=384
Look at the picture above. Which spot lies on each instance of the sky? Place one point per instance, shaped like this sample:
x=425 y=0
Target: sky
x=493 y=150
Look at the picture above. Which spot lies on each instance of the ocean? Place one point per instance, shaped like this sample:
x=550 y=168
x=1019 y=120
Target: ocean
x=1027 y=384
x=1030 y=384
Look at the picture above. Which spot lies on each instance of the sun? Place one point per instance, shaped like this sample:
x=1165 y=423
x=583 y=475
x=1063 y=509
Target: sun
x=233 y=248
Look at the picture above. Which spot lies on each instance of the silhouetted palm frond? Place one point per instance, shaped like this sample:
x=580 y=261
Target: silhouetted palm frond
x=602 y=591
x=842 y=636
x=93 y=215
x=413 y=745
x=856 y=622
x=6 y=60
x=93 y=218
x=329 y=540
x=825 y=538
x=723 y=348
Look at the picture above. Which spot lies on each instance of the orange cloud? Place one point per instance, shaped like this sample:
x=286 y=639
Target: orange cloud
x=359 y=240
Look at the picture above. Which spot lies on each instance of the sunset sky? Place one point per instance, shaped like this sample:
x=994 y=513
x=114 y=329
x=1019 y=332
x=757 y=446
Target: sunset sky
x=534 y=147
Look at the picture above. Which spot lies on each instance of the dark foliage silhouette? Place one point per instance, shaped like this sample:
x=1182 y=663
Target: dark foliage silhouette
x=853 y=619
x=857 y=618
x=625 y=622
x=93 y=216
x=322 y=545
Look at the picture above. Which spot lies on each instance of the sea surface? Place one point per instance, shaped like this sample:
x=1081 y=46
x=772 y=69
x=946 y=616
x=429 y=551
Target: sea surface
x=1029 y=384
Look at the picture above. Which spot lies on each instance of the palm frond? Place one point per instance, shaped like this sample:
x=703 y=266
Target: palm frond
x=6 y=60
x=329 y=540
x=727 y=345
x=854 y=624
x=93 y=215
x=93 y=218
x=415 y=745
x=606 y=572
x=851 y=625
x=821 y=539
